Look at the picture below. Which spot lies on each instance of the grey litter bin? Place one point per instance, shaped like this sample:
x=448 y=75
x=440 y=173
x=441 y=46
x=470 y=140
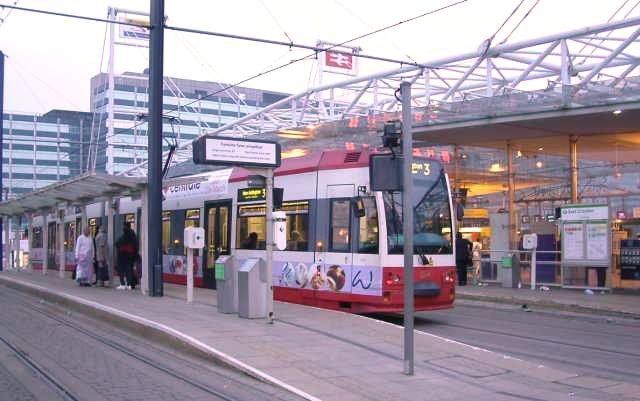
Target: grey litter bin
x=252 y=289
x=510 y=271
x=226 y=283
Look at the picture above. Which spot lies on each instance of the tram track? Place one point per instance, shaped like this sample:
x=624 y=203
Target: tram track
x=131 y=353
x=39 y=371
x=535 y=339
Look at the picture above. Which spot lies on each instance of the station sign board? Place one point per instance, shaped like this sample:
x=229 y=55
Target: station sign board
x=586 y=235
x=236 y=152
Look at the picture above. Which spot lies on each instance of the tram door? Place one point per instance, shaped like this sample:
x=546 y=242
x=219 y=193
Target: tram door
x=52 y=248
x=217 y=225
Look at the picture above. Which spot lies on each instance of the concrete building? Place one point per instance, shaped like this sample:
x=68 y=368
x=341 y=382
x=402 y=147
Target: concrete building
x=39 y=150
x=190 y=107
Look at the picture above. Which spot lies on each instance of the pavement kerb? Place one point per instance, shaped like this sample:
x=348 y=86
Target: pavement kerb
x=151 y=330
x=551 y=305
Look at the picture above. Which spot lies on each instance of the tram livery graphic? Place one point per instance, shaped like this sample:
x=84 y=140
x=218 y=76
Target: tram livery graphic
x=344 y=241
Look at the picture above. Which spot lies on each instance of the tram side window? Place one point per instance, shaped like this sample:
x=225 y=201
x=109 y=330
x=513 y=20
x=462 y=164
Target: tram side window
x=69 y=236
x=192 y=219
x=36 y=240
x=166 y=232
x=340 y=227
x=297 y=225
x=251 y=227
x=368 y=227
x=93 y=226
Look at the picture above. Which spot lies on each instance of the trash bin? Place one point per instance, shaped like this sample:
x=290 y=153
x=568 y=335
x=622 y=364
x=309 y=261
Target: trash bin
x=226 y=283
x=252 y=289
x=510 y=271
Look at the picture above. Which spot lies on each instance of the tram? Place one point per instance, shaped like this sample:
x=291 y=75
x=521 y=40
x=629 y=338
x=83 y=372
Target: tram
x=344 y=246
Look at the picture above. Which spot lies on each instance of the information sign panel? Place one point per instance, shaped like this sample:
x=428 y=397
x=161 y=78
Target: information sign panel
x=586 y=237
x=573 y=241
x=236 y=152
x=597 y=248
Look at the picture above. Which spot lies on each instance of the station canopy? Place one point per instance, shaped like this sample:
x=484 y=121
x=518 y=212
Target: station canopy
x=80 y=190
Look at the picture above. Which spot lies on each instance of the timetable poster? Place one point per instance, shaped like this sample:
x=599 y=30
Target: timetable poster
x=597 y=241
x=573 y=234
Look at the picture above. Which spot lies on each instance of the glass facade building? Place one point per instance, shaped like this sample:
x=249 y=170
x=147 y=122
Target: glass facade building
x=39 y=150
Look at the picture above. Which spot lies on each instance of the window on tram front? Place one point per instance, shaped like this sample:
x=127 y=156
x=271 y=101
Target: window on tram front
x=192 y=219
x=340 y=225
x=36 y=240
x=166 y=232
x=368 y=227
x=297 y=225
x=252 y=228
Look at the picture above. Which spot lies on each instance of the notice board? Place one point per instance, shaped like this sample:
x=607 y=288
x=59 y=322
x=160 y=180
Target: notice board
x=586 y=235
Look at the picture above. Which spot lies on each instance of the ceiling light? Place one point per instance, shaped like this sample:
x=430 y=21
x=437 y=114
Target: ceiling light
x=297 y=152
x=294 y=134
x=539 y=164
x=518 y=153
x=616 y=112
x=541 y=148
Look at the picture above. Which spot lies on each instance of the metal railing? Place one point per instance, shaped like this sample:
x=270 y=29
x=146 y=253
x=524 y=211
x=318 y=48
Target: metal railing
x=547 y=267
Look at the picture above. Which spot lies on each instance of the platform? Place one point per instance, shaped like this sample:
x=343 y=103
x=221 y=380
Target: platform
x=321 y=354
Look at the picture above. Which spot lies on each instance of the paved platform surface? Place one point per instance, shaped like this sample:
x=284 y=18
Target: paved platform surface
x=557 y=298
x=328 y=355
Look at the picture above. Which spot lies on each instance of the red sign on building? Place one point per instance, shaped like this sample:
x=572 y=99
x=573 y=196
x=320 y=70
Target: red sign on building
x=338 y=60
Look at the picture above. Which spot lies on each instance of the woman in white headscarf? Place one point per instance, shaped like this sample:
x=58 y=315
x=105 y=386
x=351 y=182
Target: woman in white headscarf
x=84 y=258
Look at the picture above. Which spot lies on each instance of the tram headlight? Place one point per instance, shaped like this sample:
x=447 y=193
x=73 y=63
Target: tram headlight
x=449 y=277
x=392 y=279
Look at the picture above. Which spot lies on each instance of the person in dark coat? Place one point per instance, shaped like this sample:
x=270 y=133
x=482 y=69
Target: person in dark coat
x=127 y=246
x=463 y=257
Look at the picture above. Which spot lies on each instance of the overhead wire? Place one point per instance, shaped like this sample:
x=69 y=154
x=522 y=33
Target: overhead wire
x=3 y=19
x=276 y=20
x=526 y=15
x=260 y=74
x=93 y=117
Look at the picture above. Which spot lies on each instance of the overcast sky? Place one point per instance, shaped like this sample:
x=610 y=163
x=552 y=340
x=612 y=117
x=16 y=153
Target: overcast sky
x=51 y=59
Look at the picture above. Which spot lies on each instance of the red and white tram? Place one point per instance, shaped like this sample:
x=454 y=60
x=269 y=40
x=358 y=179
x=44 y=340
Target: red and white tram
x=334 y=258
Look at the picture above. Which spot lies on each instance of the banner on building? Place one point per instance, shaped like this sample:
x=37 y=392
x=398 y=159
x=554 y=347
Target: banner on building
x=136 y=32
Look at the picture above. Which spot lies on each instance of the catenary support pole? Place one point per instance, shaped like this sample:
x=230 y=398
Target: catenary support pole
x=511 y=192
x=154 y=167
x=110 y=239
x=407 y=225
x=573 y=155
x=45 y=241
x=29 y=241
x=2 y=255
x=61 y=251
x=269 y=240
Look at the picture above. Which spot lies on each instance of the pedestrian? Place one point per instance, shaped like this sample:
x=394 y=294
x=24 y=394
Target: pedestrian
x=102 y=271
x=84 y=258
x=463 y=257
x=127 y=246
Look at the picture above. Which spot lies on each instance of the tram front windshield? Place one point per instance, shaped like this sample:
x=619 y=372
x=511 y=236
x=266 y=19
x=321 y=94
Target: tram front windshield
x=431 y=212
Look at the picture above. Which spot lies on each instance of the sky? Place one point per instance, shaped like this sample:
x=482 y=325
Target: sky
x=50 y=59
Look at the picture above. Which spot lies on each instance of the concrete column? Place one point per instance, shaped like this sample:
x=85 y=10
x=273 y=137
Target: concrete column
x=111 y=210
x=29 y=239
x=7 y=244
x=83 y=218
x=144 y=244
x=16 y=244
x=512 y=196
x=45 y=241
x=573 y=155
x=61 y=252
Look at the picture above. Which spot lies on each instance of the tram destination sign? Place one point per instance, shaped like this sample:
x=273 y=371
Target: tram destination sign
x=236 y=152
